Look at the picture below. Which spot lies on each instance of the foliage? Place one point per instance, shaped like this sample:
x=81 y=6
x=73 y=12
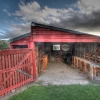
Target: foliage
x=52 y=92
x=4 y=44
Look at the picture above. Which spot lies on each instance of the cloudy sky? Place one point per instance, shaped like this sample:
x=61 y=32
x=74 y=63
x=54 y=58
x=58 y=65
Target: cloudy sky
x=16 y=15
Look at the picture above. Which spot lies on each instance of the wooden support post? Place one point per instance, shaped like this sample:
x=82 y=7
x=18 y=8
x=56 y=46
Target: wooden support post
x=77 y=64
x=80 y=65
x=34 y=63
x=94 y=71
x=91 y=72
x=85 y=68
x=74 y=61
x=32 y=46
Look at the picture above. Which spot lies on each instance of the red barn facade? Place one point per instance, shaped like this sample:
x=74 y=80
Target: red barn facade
x=43 y=36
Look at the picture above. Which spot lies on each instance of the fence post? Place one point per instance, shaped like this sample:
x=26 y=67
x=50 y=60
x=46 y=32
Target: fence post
x=32 y=46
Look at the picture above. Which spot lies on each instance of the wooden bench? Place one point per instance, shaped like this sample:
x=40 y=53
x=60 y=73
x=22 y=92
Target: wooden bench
x=82 y=63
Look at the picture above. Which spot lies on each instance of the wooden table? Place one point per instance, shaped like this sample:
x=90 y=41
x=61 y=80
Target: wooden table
x=78 y=62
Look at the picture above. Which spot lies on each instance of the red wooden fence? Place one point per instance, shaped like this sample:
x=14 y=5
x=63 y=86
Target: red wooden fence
x=15 y=69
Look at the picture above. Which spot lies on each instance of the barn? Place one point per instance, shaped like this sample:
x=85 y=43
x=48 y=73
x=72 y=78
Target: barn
x=54 y=44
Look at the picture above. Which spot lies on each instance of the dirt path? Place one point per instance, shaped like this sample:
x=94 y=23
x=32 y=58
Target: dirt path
x=60 y=74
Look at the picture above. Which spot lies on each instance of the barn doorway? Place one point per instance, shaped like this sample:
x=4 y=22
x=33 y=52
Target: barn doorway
x=53 y=53
x=53 y=58
x=54 y=64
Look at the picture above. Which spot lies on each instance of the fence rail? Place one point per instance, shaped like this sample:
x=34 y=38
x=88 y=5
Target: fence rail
x=15 y=69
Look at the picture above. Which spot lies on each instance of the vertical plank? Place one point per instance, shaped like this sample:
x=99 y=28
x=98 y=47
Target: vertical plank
x=77 y=63
x=91 y=72
x=15 y=63
x=6 y=64
x=16 y=71
x=18 y=74
x=10 y=59
x=3 y=73
x=33 y=60
x=85 y=68
x=74 y=62
x=13 y=76
x=80 y=65
x=11 y=65
x=94 y=70
x=31 y=67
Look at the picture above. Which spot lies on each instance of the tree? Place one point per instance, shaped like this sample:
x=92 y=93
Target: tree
x=4 y=44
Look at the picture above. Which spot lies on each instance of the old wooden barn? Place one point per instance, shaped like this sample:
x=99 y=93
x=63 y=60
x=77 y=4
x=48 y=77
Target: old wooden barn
x=52 y=44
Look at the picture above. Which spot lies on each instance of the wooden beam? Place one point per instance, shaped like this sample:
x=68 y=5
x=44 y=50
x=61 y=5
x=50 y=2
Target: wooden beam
x=85 y=68
x=91 y=72
x=23 y=72
x=77 y=64
x=32 y=46
x=80 y=65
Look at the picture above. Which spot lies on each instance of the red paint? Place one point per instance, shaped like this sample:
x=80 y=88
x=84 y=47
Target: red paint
x=49 y=35
x=40 y=34
x=10 y=63
x=33 y=60
x=11 y=60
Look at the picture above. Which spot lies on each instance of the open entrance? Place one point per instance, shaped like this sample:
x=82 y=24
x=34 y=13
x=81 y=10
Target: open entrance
x=53 y=52
x=54 y=60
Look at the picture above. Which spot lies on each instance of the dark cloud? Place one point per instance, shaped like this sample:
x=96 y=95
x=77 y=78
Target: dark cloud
x=80 y=20
x=83 y=16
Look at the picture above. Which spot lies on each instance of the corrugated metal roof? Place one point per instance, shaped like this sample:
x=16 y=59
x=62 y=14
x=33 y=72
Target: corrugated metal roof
x=19 y=37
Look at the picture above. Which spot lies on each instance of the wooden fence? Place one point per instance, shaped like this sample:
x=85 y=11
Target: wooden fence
x=16 y=69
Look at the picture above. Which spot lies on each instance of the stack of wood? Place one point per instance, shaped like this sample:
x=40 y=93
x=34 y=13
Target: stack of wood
x=91 y=53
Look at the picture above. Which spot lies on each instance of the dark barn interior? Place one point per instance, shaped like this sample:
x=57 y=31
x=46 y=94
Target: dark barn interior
x=64 y=52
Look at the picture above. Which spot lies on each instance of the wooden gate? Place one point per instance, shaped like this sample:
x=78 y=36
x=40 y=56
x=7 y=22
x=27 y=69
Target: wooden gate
x=16 y=69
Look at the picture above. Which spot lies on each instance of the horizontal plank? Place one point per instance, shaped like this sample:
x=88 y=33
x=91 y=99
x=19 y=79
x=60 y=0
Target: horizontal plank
x=23 y=72
x=14 y=51
x=14 y=68
x=89 y=62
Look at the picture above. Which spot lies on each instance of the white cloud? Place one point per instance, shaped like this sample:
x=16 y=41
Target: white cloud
x=88 y=6
x=16 y=30
x=32 y=11
x=85 y=18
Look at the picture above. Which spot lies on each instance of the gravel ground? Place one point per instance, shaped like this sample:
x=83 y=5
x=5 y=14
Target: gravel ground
x=61 y=74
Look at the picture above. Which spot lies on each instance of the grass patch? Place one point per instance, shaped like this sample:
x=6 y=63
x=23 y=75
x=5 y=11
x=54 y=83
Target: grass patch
x=64 y=92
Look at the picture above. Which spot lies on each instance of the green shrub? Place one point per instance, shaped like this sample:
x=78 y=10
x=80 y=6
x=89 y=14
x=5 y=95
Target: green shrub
x=4 y=44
